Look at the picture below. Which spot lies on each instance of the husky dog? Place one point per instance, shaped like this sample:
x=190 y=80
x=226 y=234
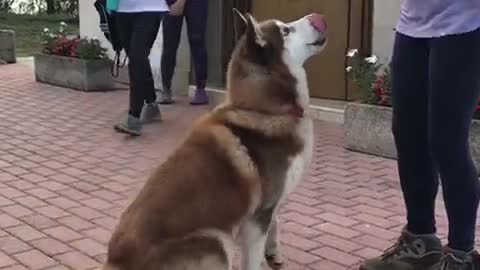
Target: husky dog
x=226 y=180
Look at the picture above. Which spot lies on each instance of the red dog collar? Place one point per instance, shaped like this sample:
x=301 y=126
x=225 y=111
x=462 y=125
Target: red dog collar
x=296 y=111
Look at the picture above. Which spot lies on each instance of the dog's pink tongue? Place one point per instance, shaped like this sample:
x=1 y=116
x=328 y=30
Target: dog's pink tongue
x=318 y=21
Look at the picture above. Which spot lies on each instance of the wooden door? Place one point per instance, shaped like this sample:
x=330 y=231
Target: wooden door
x=326 y=72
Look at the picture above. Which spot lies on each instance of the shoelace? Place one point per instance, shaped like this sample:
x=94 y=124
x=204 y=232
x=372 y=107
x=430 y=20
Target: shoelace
x=452 y=262
x=400 y=247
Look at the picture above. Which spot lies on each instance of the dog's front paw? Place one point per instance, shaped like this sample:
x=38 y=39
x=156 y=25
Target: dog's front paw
x=274 y=260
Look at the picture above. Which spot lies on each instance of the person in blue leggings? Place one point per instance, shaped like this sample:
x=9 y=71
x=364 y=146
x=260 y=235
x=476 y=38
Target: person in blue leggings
x=195 y=14
x=435 y=88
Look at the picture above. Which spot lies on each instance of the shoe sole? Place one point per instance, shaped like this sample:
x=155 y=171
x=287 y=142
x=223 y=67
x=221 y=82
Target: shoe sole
x=419 y=268
x=151 y=121
x=166 y=102
x=126 y=131
x=198 y=104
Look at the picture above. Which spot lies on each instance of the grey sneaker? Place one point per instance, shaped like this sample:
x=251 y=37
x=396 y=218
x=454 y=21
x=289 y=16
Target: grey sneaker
x=150 y=113
x=410 y=252
x=166 y=96
x=132 y=126
x=458 y=260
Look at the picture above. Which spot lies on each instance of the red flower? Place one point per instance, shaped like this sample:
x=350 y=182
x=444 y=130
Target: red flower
x=62 y=46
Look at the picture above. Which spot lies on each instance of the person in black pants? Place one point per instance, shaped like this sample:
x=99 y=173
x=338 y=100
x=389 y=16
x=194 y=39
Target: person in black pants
x=138 y=23
x=435 y=88
x=195 y=14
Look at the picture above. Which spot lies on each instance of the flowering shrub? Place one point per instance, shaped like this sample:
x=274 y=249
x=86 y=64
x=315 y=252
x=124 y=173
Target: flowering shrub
x=59 y=43
x=371 y=78
x=374 y=81
x=382 y=89
x=90 y=49
x=63 y=46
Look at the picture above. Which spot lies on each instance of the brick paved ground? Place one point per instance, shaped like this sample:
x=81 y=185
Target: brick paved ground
x=65 y=176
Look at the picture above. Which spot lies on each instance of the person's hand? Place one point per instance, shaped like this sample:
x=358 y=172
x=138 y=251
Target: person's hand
x=177 y=8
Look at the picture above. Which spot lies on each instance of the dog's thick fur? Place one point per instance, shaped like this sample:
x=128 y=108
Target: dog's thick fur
x=226 y=180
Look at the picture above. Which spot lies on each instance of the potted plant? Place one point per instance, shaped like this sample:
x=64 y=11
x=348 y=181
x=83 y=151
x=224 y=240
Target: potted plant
x=73 y=62
x=368 y=121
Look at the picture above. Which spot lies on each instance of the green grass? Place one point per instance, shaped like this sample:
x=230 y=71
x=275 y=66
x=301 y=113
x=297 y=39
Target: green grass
x=28 y=29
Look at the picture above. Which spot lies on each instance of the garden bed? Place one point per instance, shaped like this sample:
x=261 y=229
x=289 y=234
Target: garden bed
x=75 y=73
x=73 y=62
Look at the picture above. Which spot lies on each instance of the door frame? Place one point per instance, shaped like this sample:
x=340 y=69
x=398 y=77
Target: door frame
x=360 y=36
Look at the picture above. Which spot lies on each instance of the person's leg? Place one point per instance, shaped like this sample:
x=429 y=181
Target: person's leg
x=172 y=30
x=418 y=247
x=196 y=12
x=144 y=28
x=124 y=21
x=410 y=92
x=455 y=88
x=151 y=112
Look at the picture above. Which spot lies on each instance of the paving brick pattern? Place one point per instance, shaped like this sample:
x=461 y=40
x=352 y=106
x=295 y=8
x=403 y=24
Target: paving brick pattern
x=65 y=177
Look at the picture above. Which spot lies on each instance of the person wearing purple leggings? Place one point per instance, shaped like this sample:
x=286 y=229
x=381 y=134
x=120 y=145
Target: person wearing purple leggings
x=435 y=88
x=195 y=14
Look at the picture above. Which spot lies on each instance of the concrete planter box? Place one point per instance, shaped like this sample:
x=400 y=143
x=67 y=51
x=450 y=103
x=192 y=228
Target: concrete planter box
x=79 y=74
x=368 y=130
x=7 y=46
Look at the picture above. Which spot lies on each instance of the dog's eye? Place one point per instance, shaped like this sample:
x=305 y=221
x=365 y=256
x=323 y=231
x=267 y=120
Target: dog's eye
x=286 y=31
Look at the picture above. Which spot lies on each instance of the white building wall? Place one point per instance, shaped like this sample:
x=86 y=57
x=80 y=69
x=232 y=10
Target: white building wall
x=385 y=18
x=89 y=23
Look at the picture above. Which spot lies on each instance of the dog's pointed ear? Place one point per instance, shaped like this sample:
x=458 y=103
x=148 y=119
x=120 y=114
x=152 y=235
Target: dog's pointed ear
x=240 y=15
x=254 y=33
x=239 y=24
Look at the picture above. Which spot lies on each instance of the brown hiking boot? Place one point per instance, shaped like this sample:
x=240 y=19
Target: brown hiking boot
x=410 y=252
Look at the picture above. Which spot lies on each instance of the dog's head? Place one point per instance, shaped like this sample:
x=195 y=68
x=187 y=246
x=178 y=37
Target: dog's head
x=263 y=72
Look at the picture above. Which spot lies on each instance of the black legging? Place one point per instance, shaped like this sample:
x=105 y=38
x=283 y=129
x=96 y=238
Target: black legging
x=435 y=85
x=137 y=31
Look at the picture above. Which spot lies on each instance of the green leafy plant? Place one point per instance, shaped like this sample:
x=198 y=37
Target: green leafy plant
x=6 y=5
x=59 y=43
x=90 y=49
x=370 y=77
x=382 y=89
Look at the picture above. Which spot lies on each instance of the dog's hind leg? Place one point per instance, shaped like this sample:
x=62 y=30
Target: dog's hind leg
x=204 y=250
x=253 y=245
x=272 y=248
x=254 y=236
